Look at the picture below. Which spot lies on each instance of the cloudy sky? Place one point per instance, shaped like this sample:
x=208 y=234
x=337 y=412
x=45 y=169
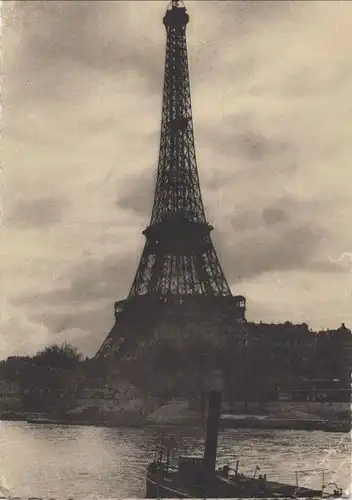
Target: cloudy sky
x=82 y=84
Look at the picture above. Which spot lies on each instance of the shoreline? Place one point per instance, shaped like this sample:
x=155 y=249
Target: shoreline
x=139 y=413
x=227 y=422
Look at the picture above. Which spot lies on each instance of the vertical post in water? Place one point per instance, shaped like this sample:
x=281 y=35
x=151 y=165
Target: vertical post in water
x=213 y=423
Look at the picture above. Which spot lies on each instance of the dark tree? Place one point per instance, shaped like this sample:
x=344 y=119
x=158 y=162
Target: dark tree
x=64 y=356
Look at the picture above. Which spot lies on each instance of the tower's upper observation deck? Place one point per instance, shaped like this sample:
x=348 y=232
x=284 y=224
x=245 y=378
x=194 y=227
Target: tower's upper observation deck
x=176 y=16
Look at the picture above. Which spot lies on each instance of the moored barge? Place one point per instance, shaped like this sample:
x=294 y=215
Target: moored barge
x=195 y=477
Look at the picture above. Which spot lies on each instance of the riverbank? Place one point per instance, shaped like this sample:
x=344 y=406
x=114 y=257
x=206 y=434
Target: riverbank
x=228 y=422
x=332 y=417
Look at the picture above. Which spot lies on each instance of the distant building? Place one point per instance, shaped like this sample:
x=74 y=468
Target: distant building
x=292 y=362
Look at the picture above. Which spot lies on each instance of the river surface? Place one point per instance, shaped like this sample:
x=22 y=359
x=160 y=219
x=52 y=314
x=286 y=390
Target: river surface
x=76 y=462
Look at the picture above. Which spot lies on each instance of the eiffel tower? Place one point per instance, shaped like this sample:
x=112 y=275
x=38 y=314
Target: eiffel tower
x=179 y=281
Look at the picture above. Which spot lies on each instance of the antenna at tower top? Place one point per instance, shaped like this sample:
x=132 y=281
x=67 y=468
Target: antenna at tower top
x=177 y=3
x=176 y=15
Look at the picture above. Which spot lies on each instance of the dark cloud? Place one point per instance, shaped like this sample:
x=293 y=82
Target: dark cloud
x=255 y=146
x=84 y=328
x=39 y=213
x=240 y=139
x=61 y=40
x=261 y=240
x=266 y=250
x=245 y=220
x=250 y=220
x=136 y=193
x=278 y=237
x=83 y=312
x=273 y=216
x=92 y=281
x=266 y=157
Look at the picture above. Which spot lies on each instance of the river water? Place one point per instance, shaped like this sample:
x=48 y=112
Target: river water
x=76 y=462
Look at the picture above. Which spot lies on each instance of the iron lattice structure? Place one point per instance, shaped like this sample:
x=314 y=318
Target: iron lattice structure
x=179 y=264
x=178 y=257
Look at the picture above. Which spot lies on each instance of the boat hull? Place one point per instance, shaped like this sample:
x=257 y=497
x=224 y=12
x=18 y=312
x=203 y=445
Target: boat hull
x=155 y=489
x=161 y=487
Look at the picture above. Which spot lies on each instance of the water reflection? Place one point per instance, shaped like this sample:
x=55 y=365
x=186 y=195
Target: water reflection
x=88 y=462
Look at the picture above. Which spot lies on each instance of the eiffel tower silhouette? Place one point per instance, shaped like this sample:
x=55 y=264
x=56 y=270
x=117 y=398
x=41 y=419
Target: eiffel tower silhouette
x=179 y=282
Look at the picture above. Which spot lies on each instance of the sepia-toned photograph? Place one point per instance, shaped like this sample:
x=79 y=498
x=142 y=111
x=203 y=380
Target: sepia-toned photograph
x=176 y=249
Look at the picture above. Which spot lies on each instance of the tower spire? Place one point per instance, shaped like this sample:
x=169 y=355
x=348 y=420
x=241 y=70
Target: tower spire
x=178 y=261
